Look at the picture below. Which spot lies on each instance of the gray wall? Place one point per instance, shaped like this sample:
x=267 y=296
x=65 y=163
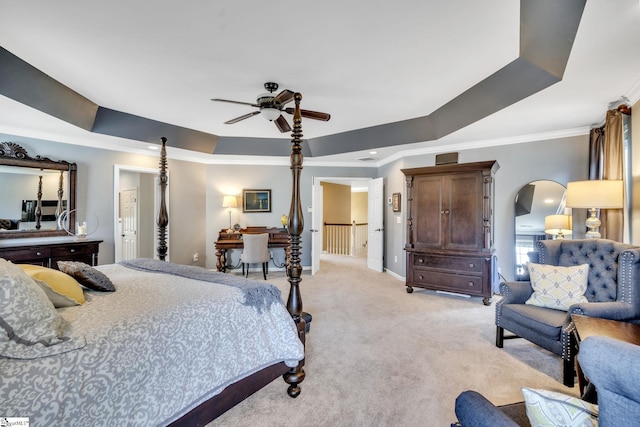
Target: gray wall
x=561 y=160
x=231 y=179
x=95 y=193
x=196 y=192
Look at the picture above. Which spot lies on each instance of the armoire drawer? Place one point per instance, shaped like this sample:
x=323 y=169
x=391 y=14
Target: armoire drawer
x=445 y=281
x=462 y=264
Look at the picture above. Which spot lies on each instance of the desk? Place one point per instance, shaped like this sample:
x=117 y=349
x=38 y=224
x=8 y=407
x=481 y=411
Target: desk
x=278 y=238
x=591 y=326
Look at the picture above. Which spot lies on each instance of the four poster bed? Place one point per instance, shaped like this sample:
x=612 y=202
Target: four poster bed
x=152 y=343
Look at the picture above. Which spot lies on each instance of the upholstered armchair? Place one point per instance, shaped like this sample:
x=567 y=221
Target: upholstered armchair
x=612 y=366
x=613 y=292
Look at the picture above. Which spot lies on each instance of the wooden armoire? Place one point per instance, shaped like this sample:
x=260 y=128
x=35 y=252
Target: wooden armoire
x=450 y=228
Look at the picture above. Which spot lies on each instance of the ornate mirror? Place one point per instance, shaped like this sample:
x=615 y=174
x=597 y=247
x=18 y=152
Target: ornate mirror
x=535 y=201
x=34 y=193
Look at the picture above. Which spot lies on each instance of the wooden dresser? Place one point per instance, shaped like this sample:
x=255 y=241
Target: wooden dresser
x=450 y=228
x=48 y=254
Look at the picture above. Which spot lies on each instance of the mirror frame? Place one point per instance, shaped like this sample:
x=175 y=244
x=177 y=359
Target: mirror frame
x=12 y=154
x=544 y=236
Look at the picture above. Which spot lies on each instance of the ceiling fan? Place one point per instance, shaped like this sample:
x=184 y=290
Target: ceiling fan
x=271 y=107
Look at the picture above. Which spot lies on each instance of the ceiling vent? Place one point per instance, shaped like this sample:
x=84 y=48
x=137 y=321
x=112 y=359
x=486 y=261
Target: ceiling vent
x=365 y=159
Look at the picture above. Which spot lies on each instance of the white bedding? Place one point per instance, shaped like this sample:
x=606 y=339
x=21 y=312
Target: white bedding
x=155 y=348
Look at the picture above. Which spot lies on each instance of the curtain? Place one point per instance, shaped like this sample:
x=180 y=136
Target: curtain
x=596 y=141
x=613 y=168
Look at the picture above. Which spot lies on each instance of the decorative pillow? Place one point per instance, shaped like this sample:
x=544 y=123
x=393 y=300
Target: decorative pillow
x=87 y=275
x=62 y=289
x=558 y=287
x=551 y=409
x=30 y=327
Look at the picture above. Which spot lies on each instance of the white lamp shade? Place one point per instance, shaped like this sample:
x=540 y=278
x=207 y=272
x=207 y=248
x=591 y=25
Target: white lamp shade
x=557 y=224
x=603 y=194
x=230 y=202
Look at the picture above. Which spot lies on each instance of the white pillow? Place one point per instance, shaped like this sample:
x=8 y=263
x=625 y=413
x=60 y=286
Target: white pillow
x=558 y=287
x=551 y=409
x=30 y=327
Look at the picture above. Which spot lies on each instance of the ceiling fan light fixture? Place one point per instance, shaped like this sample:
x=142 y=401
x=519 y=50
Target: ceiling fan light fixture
x=270 y=113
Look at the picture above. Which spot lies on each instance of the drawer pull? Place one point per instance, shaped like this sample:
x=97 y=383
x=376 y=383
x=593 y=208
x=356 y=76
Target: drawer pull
x=420 y=261
x=38 y=253
x=73 y=250
x=471 y=284
x=421 y=277
x=471 y=265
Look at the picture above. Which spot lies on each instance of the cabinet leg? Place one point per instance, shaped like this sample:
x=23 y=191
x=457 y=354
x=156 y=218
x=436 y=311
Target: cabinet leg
x=486 y=301
x=409 y=289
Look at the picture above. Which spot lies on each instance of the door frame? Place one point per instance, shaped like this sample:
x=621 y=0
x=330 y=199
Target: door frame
x=156 y=201
x=344 y=180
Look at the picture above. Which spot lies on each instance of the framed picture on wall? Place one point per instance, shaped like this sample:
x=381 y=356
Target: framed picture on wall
x=256 y=200
x=396 y=202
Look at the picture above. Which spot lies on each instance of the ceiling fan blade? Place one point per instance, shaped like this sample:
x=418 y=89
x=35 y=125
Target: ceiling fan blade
x=283 y=97
x=316 y=115
x=235 y=102
x=282 y=124
x=245 y=116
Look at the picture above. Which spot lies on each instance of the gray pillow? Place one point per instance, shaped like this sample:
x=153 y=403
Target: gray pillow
x=30 y=327
x=87 y=275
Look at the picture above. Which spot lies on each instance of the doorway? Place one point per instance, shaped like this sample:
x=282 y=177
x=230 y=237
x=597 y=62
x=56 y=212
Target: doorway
x=341 y=219
x=136 y=204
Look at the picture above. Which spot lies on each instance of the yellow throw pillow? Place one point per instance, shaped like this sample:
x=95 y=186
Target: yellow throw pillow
x=62 y=289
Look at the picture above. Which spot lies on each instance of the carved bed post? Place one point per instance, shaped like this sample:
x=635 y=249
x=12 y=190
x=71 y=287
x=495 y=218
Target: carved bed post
x=163 y=216
x=296 y=224
x=60 y=194
x=39 y=204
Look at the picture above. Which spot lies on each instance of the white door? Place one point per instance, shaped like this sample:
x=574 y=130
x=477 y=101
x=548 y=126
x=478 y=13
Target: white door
x=129 y=220
x=316 y=225
x=376 y=225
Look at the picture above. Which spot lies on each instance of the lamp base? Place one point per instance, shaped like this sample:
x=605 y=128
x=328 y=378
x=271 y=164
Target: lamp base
x=593 y=223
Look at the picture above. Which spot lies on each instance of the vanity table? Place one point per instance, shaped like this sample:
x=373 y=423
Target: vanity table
x=48 y=254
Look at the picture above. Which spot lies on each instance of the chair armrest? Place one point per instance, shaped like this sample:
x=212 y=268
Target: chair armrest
x=614 y=310
x=613 y=366
x=515 y=292
x=474 y=410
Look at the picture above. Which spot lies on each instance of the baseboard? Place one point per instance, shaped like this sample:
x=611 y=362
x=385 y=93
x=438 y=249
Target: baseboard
x=395 y=275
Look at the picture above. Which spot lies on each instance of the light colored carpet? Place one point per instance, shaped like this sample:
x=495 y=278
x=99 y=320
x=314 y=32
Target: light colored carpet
x=378 y=356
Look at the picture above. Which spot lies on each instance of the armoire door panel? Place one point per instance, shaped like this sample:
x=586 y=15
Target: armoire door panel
x=465 y=212
x=428 y=199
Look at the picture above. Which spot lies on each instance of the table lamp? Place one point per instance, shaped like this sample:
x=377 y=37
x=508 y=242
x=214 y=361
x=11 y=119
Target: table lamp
x=558 y=225
x=594 y=194
x=230 y=202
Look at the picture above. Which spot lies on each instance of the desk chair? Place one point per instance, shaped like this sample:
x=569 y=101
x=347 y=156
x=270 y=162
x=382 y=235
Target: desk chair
x=256 y=250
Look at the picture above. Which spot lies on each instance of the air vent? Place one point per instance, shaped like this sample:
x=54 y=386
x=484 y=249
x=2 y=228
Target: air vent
x=446 y=158
x=365 y=159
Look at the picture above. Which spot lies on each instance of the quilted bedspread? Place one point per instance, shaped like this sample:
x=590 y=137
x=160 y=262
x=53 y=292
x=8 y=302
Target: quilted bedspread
x=156 y=348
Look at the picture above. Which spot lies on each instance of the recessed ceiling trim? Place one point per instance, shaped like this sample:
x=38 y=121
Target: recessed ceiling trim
x=547 y=32
x=26 y=84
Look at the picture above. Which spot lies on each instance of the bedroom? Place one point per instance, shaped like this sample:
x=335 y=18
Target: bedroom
x=197 y=187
